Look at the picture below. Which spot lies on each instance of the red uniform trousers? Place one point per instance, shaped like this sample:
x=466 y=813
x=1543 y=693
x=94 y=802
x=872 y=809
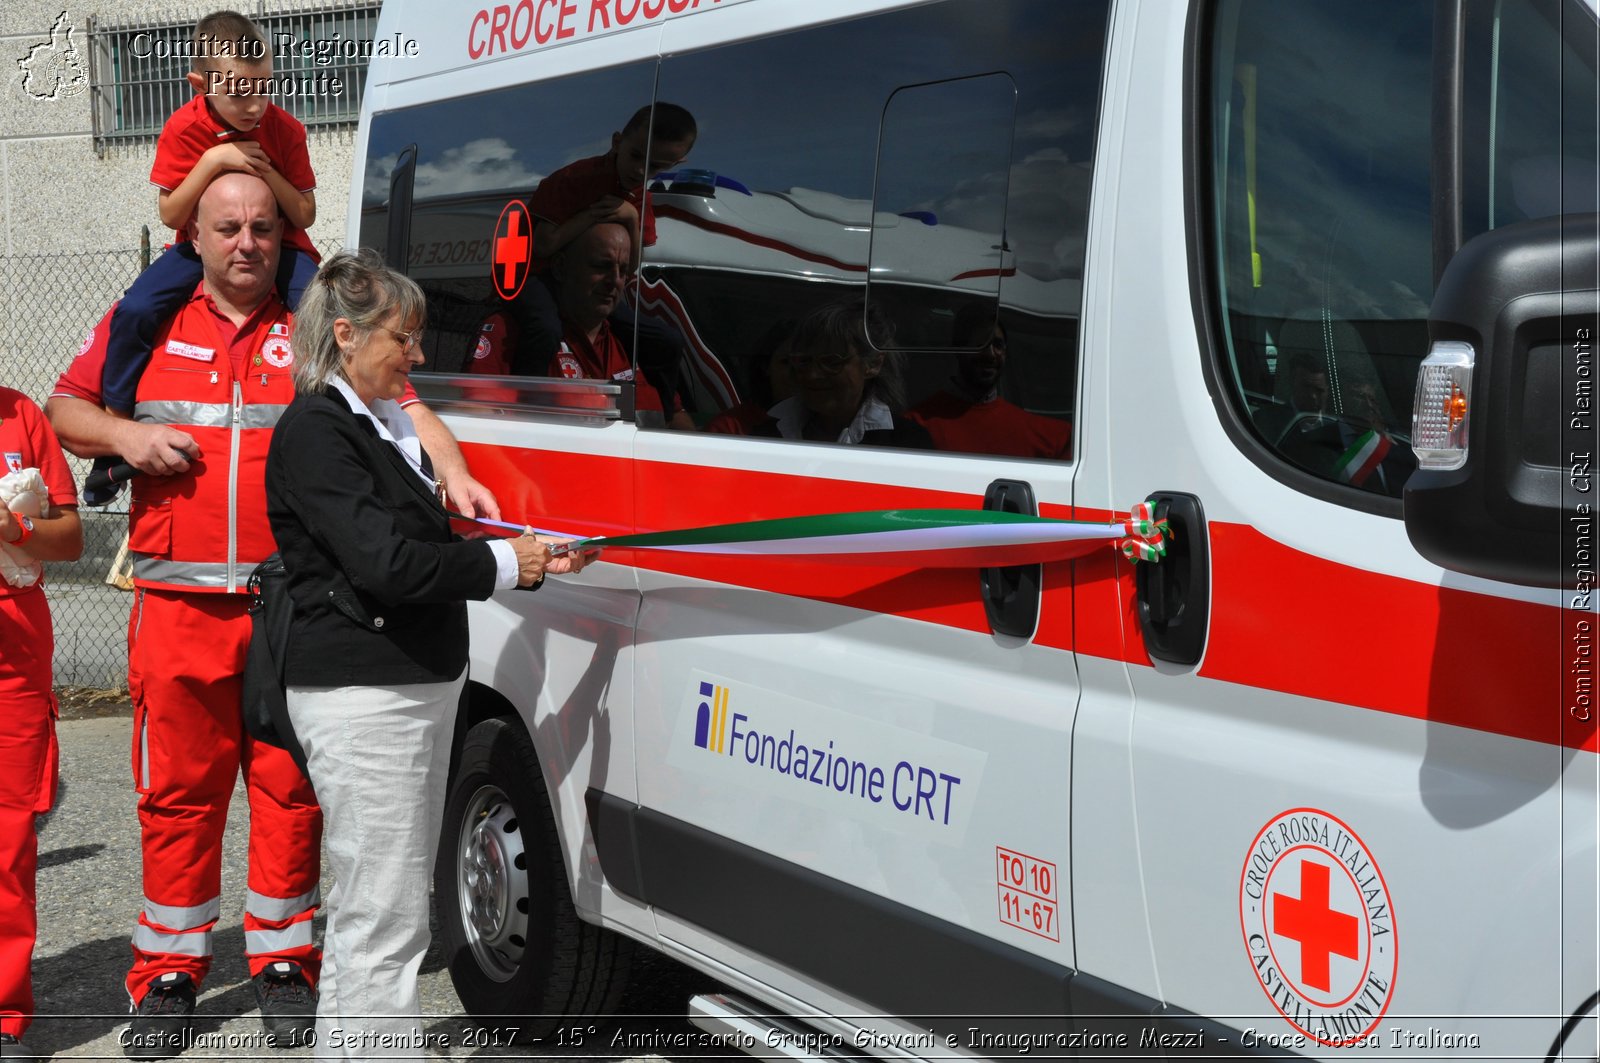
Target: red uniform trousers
x=27 y=787
x=186 y=654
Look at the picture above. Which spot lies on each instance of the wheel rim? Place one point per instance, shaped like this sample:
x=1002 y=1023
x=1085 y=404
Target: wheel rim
x=492 y=883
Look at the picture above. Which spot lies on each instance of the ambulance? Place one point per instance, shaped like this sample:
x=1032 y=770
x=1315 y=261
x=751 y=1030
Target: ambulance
x=1318 y=281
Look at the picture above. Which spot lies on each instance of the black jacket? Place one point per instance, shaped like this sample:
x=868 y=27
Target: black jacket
x=379 y=582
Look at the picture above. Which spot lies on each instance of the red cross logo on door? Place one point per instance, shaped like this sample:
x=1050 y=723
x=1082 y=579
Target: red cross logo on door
x=1311 y=920
x=513 y=249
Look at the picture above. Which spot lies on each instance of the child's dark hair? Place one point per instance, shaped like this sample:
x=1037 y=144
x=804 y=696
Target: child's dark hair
x=671 y=122
x=227 y=35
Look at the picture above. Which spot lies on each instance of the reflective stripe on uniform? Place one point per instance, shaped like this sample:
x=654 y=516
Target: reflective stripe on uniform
x=180 y=573
x=182 y=918
x=277 y=909
x=208 y=414
x=293 y=936
x=194 y=943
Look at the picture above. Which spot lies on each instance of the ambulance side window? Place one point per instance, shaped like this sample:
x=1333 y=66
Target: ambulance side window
x=1529 y=123
x=1321 y=225
x=479 y=158
x=978 y=196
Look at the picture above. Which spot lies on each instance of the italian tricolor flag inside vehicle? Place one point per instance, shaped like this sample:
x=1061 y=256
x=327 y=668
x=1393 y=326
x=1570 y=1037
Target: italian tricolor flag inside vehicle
x=1363 y=456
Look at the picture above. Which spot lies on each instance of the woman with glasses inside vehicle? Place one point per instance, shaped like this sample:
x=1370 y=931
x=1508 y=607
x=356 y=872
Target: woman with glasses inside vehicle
x=377 y=651
x=846 y=387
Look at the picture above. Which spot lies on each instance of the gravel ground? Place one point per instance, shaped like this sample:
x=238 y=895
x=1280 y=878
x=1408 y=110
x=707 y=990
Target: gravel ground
x=88 y=896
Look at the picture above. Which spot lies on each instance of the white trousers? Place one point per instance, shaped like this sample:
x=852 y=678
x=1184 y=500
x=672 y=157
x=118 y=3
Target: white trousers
x=379 y=759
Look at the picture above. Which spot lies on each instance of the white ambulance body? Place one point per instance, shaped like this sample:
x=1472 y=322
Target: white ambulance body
x=1302 y=786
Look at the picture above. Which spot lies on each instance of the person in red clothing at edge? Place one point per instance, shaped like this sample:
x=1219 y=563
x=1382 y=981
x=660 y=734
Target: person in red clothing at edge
x=970 y=416
x=27 y=705
x=588 y=274
x=231 y=124
x=197 y=526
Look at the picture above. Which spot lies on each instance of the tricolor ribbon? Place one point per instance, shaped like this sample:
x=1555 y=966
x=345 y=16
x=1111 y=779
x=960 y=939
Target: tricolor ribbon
x=918 y=538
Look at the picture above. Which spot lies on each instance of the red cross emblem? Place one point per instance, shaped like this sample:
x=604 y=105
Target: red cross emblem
x=1309 y=879
x=513 y=249
x=1312 y=920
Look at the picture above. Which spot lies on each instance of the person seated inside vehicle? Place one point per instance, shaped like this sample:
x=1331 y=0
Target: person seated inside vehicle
x=1307 y=391
x=1354 y=445
x=847 y=386
x=970 y=415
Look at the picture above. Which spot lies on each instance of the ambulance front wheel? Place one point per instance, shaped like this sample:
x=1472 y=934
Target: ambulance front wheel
x=520 y=957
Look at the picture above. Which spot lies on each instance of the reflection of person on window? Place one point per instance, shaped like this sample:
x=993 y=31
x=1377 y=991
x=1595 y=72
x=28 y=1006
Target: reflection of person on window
x=970 y=416
x=769 y=382
x=600 y=189
x=846 y=387
x=611 y=187
x=589 y=274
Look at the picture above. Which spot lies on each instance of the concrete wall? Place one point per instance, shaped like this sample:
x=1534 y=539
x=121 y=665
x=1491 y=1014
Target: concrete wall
x=61 y=198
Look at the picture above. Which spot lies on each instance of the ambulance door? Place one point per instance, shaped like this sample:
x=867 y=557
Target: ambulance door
x=1347 y=763
x=855 y=776
x=554 y=451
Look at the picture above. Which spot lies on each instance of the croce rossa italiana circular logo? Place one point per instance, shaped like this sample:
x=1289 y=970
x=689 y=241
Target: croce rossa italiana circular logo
x=1318 y=925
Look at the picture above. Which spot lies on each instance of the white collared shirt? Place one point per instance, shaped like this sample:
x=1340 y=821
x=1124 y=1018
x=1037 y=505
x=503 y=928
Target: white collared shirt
x=395 y=426
x=792 y=415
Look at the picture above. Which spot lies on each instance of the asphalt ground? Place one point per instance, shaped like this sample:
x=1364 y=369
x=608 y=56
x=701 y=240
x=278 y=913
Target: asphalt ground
x=89 y=889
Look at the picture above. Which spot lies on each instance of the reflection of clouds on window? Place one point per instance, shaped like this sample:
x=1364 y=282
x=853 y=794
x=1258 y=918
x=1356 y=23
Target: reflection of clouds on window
x=1054 y=125
x=1045 y=215
x=476 y=166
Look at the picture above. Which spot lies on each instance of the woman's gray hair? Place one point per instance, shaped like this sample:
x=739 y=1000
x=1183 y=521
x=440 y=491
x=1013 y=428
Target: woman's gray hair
x=357 y=286
x=863 y=330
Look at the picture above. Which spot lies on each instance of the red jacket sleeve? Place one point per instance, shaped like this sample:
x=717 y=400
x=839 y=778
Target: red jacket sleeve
x=82 y=378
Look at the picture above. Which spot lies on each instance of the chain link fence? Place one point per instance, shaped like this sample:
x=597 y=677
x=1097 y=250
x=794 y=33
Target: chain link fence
x=48 y=304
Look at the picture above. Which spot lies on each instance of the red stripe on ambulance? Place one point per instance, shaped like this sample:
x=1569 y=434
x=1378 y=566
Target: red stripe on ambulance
x=1281 y=619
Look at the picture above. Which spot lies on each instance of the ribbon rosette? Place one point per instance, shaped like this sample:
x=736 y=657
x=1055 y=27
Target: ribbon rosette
x=1145 y=537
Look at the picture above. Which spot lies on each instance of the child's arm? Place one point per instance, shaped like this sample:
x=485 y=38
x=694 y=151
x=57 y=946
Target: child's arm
x=299 y=208
x=548 y=237
x=177 y=205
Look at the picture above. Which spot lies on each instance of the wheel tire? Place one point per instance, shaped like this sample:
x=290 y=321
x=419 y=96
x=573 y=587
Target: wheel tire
x=518 y=952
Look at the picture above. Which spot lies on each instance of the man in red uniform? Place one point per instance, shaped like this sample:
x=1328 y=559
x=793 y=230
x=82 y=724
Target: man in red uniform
x=970 y=416
x=588 y=274
x=218 y=379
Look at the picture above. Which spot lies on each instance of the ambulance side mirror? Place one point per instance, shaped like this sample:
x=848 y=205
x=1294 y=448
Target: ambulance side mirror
x=1510 y=494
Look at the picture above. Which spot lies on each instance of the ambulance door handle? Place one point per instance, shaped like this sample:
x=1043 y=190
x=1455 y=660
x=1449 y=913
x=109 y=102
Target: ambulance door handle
x=1011 y=593
x=1174 y=594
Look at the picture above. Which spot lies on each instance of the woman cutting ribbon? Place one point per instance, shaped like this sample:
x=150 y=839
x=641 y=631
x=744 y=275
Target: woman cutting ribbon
x=378 y=645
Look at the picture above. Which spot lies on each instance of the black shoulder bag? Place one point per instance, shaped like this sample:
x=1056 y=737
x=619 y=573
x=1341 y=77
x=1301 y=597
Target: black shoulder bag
x=266 y=711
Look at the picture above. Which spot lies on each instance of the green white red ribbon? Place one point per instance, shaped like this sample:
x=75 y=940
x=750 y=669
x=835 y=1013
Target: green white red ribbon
x=918 y=538
x=1363 y=456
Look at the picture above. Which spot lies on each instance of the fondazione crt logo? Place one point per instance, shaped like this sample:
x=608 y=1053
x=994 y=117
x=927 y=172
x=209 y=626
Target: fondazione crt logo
x=772 y=745
x=1319 y=926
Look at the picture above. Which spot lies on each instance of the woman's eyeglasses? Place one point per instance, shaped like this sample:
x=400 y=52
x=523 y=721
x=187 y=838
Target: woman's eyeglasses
x=409 y=340
x=823 y=363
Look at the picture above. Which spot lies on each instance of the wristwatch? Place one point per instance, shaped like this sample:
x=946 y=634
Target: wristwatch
x=25 y=529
